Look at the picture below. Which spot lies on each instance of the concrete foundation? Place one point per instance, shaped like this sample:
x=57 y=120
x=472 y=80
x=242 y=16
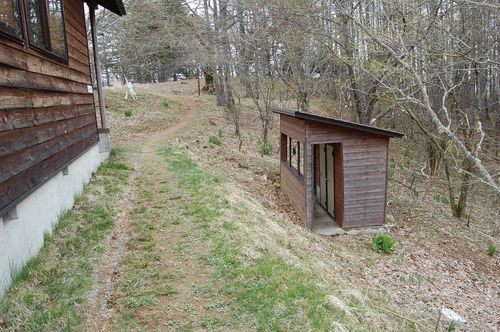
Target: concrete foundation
x=21 y=237
x=324 y=224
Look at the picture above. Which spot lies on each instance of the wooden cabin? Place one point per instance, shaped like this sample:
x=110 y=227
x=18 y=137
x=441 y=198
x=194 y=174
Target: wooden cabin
x=49 y=132
x=334 y=172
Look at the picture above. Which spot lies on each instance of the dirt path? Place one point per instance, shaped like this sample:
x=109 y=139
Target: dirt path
x=97 y=310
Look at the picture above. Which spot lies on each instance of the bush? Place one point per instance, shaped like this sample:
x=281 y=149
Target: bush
x=441 y=198
x=165 y=104
x=265 y=149
x=214 y=140
x=128 y=113
x=383 y=243
x=492 y=249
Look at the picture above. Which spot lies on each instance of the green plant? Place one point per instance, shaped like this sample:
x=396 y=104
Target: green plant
x=383 y=243
x=441 y=198
x=492 y=249
x=128 y=113
x=165 y=104
x=452 y=325
x=215 y=140
x=265 y=149
x=220 y=132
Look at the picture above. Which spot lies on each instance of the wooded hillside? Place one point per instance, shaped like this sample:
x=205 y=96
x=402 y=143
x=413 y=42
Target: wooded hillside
x=427 y=68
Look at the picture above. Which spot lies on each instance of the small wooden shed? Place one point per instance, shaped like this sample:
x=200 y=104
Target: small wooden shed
x=334 y=168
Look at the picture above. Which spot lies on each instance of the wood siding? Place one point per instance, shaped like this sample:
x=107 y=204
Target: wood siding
x=47 y=116
x=294 y=128
x=339 y=184
x=293 y=187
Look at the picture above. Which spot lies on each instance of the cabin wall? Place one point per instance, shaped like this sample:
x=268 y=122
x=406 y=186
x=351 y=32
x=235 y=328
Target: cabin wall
x=47 y=116
x=292 y=184
x=294 y=188
x=363 y=168
x=295 y=128
x=22 y=238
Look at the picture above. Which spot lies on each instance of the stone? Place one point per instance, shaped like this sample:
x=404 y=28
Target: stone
x=450 y=315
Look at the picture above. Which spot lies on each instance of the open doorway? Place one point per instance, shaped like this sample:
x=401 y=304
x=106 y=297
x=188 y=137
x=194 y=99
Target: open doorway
x=326 y=164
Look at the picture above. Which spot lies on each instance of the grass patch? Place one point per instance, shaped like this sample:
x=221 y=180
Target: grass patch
x=492 y=249
x=46 y=292
x=128 y=113
x=265 y=149
x=443 y=199
x=215 y=140
x=383 y=243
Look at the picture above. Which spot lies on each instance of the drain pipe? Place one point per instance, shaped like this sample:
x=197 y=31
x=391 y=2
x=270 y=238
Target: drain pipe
x=104 y=145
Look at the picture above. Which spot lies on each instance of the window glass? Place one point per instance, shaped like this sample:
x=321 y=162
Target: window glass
x=295 y=155
x=35 y=22
x=46 y=26
x=10 y=19
x=56 y=27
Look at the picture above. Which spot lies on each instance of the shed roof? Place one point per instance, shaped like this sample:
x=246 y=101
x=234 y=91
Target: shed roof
x=116 y=6
x=337 y=122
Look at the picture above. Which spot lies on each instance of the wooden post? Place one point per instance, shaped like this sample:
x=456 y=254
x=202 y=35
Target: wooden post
x=199 y=85
x=97 y=63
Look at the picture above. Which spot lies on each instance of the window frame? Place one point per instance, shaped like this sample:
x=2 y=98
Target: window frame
x=46 y=32
x=18 y=39
x=289 y=158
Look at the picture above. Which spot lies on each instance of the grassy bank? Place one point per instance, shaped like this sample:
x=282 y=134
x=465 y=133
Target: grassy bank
x=188 y=216
x=47 y=292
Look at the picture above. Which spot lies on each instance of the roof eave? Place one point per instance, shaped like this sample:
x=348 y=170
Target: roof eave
x=115 y=6
x=340 y=123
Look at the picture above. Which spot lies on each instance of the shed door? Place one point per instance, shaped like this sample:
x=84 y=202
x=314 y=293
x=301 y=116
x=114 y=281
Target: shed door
x=330 y=179
x=327 y=177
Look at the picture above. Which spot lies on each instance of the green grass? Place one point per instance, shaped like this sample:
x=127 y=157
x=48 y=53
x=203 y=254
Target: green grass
x=47 y=290
x=443 y=199
x=492 y=249
x=215 y=140
x=128 y=113
x=383 y=243
x=265 y=149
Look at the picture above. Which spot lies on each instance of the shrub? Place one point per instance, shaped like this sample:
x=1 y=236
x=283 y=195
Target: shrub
x=441 y=198
x=383 y=243
x=492 y=249
x=165 y=104
x=214 y=140
x=452 y=325
x=265 y=149
x=128 y=113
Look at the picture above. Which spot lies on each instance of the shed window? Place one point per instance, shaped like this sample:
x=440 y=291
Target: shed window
x=45 y=23
x=10 y=18
x=295 y=155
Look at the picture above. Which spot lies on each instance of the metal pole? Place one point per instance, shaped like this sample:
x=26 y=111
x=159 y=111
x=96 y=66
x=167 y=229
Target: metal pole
x=97 y=64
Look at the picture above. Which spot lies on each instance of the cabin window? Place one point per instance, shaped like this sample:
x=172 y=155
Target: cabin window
x=10 y=18
x=45 y=23
x=294 y=154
